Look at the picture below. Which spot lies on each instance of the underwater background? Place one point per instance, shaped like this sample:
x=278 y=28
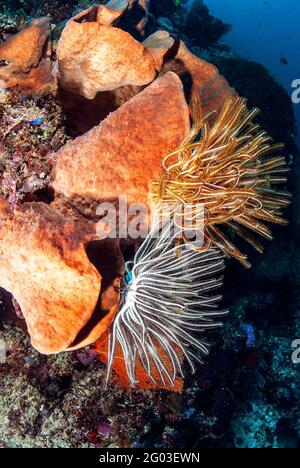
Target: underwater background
x=247 y=393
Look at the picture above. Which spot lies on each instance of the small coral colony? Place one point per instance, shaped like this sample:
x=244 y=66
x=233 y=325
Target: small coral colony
x=134 y=130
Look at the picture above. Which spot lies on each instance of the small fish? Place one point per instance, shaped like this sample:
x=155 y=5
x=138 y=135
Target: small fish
x=249 y=330
x=284 y=61
x=36 y=122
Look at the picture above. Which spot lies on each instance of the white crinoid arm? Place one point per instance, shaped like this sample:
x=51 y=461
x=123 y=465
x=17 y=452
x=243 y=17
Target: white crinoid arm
x=165 y=306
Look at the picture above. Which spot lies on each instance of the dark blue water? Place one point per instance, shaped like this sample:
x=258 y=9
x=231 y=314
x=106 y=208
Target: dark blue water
x=266 y=31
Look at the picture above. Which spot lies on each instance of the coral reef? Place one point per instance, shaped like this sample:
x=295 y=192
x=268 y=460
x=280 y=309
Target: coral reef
x=8 y=25
x=57 y=402
x=246 y=394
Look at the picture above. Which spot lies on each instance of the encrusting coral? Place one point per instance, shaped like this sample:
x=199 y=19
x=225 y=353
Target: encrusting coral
x=31 y=130
x=228 y=171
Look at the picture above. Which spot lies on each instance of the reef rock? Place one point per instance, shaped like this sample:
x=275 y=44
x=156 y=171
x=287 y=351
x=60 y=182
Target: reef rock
x=44 y=265
x=124 y=153
x=93 y=56
x=25 y=59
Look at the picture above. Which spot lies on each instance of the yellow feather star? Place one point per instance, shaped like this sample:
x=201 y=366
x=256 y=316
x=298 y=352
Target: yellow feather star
x=229 y=171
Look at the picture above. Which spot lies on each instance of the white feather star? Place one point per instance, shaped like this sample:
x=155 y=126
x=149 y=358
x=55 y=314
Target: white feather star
x=164 y=305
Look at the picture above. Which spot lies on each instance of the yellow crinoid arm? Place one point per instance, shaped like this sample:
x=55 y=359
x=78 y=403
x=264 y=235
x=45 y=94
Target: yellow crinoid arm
x=231 y=170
